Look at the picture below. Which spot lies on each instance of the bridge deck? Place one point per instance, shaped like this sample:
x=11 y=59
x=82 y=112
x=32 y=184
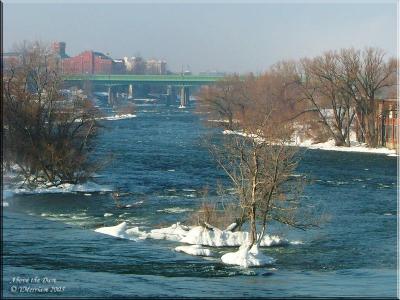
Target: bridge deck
x=156 y=79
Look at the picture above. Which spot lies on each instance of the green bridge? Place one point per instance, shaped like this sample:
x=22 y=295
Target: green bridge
x=186 y=80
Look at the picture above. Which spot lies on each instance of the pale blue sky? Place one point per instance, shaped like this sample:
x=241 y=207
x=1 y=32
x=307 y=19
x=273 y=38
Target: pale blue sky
x=232 y=37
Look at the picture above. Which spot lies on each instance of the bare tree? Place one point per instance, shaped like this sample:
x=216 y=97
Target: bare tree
x=365 y=74
x=259 y=162
x=47 y=134
x=221 y=101
x=341 y=86
x=323 y=89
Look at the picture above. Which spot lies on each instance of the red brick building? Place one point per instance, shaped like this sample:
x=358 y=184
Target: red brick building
x=88 y=62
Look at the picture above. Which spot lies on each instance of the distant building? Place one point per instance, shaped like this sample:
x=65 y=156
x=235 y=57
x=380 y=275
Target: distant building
x=91 y=62
x=135 y=65
x=118 y=66
x=10 y=59
x=156 y=67
x=59 y=49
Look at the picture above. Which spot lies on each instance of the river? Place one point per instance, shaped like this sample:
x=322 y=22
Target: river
x=159 y=157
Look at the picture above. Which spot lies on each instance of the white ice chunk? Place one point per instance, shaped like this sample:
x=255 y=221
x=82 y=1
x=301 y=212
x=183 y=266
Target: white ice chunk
x=134 y=231
x=173 y=233
x=219 y=238
x=117 y=231
x=119 y=117
x=197 y=250
x=247 y=258
x=230 y=227
x=198 y=235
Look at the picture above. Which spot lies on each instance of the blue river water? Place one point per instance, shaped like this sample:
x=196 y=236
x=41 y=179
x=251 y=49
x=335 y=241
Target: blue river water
x=160 y=159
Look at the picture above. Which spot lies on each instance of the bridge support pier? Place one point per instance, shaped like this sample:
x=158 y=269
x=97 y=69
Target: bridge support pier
x=111 y=96
x=185 y=93
x=171 y=95
x=87 y=87
x=130 y=91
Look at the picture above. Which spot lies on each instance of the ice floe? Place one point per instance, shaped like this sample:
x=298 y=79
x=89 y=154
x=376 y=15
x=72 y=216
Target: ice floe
x=117 y=231
x=247 y=258
x=175 y=232
x=198 y=235
x=220 y=238
x=119 y=117
x=196 y=250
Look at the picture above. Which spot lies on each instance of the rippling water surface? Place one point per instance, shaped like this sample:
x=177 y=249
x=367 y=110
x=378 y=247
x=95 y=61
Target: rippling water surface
x=159 y=158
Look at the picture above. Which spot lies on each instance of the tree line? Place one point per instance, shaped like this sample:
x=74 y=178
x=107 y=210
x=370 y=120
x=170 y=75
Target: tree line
x=333 y=92
x=260 y=115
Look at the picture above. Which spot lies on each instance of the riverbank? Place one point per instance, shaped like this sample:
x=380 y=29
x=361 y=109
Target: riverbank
x=330 y=145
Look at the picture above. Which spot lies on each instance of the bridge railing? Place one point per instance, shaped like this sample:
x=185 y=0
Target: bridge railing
x=178 y=79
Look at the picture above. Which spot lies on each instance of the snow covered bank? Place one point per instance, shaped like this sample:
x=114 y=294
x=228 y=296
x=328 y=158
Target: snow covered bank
x=196 y=250
x=329 y=145
x=88 y=187
x=355 y=147
x=247 y=258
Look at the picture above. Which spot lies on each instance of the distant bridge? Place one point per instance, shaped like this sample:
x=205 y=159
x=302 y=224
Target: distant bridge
x=182 y=81
x=186 y=80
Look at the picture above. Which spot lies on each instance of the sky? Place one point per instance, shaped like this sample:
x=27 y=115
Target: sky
x=203 y=36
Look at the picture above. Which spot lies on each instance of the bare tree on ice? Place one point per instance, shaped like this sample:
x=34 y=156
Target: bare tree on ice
x=260 y=163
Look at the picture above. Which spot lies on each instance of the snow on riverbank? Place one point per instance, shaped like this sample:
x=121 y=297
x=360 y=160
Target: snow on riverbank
x=88 y=187
x=355 y=147
x=329 y=145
